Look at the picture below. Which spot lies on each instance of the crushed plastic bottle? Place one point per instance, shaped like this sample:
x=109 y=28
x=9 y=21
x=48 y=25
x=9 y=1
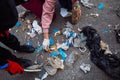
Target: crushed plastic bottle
x=71 y=59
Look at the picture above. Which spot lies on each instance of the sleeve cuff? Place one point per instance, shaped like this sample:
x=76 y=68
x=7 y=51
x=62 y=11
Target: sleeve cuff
x=45 y=30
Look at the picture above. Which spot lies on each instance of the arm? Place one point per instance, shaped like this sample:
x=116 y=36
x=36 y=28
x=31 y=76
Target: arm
x=8 y=62
x=47 y=15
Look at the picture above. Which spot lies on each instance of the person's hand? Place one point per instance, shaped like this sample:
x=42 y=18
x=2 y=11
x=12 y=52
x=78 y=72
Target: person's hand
x=14 y=68
x=46 y=44
x=46 y=41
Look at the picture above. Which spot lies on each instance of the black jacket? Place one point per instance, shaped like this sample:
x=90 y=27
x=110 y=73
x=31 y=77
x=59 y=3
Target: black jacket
x=8 y=13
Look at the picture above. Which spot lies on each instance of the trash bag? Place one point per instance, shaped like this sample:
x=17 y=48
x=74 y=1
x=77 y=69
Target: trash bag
x=109 y=63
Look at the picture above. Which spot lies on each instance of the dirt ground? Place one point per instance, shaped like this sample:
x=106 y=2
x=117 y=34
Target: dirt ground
x=106 y=20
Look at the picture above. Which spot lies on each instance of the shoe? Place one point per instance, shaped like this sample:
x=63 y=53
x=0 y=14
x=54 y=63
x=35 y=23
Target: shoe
x=26 y=48
x=24 y=62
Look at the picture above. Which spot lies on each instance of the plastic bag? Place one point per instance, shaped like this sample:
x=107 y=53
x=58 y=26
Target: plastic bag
x=109 y=63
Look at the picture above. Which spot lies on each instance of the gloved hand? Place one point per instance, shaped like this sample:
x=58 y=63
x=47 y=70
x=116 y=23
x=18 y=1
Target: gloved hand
x=14 y=68
x=46 y=43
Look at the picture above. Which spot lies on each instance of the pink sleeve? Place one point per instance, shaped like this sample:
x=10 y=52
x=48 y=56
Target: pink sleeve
x=47 y=15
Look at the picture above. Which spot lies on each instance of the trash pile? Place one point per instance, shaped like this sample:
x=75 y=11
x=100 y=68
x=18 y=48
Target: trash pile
x=100 y=52
x=33 y=27
x=100 y=55
x=56 y=51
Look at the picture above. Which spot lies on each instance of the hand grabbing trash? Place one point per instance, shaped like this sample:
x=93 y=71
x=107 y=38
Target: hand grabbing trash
x=46 y=44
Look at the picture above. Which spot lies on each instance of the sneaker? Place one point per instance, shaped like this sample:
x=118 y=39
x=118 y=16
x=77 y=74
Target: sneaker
x=26 y=48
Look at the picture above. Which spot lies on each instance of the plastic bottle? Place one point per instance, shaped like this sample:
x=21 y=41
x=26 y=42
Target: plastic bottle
x=76 y=12
x=71 y=58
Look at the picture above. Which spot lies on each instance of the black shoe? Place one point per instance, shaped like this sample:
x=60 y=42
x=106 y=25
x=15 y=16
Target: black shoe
x=24 y=62
x=26 y=48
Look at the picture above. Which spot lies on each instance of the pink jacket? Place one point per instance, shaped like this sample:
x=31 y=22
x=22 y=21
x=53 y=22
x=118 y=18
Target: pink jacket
x=47 y=14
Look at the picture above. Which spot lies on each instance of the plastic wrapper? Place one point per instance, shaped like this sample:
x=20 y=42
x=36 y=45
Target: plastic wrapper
x=72 y=58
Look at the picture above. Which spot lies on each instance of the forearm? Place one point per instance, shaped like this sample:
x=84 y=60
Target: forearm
x=47 y=15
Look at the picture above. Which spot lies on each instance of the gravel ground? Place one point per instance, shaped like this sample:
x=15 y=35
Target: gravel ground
x=106 y=17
